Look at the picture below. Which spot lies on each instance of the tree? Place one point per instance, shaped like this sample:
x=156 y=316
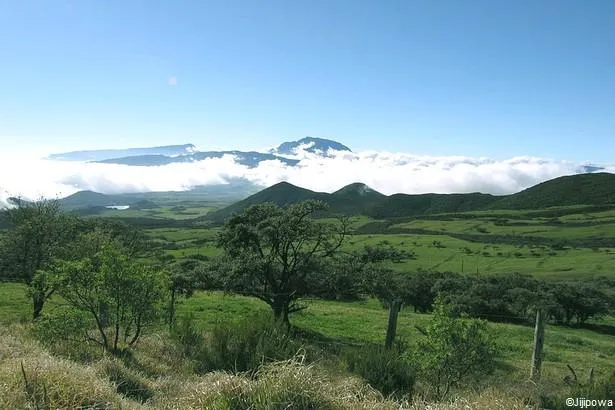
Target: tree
x=392 y=289
x=276 y=254
x=390 y=286
x=454 y=349
x=39 y=232
x=108 y=283
x=421 y=292
x=183 y=282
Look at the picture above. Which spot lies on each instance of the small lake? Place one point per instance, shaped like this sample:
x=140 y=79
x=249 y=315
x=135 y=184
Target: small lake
x=118 y=207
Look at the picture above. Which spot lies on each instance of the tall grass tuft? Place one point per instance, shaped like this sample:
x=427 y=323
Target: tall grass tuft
x=127 y=382
x=289 y=384
x=384 y=369
x=45 y=382
x=236 y=347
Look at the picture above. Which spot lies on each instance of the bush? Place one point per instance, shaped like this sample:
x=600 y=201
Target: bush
x=384 y=369
x=64 y=332
x=453 y=350
x=236 y=347
x=248 y=344
x=121 y=295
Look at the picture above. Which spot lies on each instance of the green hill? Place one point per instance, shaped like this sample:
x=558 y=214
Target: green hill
x=85 y=199
x=400 y=205
x=582 y=189
x=281 y=194
x=357 y=198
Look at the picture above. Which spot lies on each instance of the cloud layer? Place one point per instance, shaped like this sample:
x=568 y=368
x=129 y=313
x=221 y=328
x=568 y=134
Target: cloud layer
x=30 y=177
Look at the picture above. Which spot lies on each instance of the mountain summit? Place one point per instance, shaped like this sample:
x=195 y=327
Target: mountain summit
x=312 y=145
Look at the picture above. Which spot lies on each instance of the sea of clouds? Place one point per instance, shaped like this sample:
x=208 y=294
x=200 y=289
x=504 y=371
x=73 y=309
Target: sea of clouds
x=31 y=176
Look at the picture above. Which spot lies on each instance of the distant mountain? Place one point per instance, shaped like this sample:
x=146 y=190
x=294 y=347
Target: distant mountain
x=85 y=199
x=355 y=199
x=584 y=169
x=221 y=193
x=250 y=159
x=309 y=144
x=157 y=156
x=105 y=154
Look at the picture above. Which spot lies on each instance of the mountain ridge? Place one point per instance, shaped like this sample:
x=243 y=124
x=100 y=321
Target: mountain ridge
x=583 y=189
x=170 y=154
x=106 y=154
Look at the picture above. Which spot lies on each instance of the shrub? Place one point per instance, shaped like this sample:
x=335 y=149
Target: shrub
x=453 y=350
x=64 y=332
x=120 y=295
x=248 y=344
x=236 y=347
x=384 y=369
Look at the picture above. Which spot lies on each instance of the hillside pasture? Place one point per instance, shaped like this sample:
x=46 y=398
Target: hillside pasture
x=335 y=326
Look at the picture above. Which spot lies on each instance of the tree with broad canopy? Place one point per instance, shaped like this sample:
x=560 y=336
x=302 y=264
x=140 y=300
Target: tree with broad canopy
x=278 y=254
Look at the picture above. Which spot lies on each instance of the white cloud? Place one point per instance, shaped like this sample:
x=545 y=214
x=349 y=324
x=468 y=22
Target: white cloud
x=172 y=81
x=30 y=177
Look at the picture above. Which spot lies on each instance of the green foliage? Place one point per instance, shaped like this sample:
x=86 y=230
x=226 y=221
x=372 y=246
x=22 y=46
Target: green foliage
x=277 y=254
x=63 y=327
x=384 y=369
x=39 y=232
x=453 y=350
x=515 y=297
x=421 y=289
x=580 y=301
x=120 y=295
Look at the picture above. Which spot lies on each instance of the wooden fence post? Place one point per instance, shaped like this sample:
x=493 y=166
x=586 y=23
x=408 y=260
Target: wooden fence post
x=539 y=338
x=392 y=328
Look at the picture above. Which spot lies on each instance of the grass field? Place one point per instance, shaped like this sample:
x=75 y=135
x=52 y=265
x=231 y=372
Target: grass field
x=446 y=253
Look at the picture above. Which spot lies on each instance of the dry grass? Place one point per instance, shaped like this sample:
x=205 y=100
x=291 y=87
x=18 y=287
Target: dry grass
x=487 y=400
x=55 y=383
x=285 y=385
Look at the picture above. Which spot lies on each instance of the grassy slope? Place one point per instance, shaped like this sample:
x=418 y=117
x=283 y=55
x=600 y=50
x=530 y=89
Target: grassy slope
x=340 y=323
x=595 y=189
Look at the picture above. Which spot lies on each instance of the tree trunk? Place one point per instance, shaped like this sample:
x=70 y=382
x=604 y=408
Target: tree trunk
x=280 y=308
x=392 y=328
x=38 y=301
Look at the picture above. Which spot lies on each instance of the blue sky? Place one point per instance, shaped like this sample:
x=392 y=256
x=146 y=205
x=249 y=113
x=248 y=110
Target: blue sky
x=493 y=78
